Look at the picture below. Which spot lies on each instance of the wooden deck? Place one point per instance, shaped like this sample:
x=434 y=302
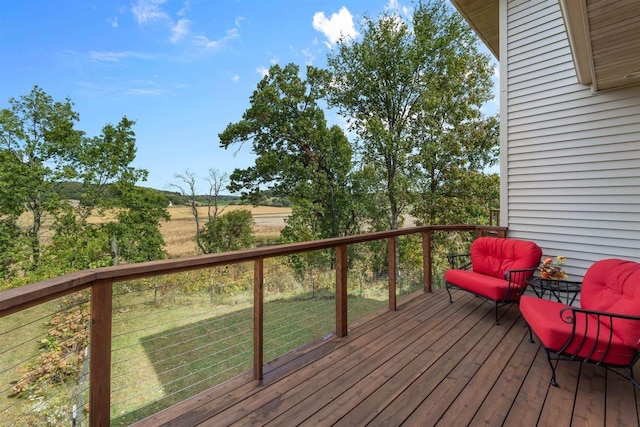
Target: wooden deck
x=429 y=363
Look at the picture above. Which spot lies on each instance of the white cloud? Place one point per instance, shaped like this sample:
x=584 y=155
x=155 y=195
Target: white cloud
x=145 y=92
x=309 y=55
x=185 y=8
x=273 y=61
x=239 y=19
x=263 y=70
x=179 y=30
x=339 y=25
x=113 y=22
x=216 y=44
x=394 y=5
x=148 y=11
x=116 y=56
x=235 y=78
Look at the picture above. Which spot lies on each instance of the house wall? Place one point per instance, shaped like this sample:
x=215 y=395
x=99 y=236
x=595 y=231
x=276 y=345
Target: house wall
x=570 y=158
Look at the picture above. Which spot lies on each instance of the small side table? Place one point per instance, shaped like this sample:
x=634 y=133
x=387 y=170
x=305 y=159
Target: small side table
x=564 y=291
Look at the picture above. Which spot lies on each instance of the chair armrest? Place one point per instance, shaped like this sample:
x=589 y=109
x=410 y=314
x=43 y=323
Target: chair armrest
x=604 y=324
x=460 y=261
x=516 y=282
x=598 y=314
x=518 y=276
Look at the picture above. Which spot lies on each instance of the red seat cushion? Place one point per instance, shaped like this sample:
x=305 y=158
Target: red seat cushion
x=613 y=286
x=543 y=317
x=494 y=256
x=480 y=284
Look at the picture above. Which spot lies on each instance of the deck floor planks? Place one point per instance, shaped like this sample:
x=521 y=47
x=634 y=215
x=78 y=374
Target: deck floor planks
x=294 y=388
x=437 y=362
x=464 y=408
x=589 y=406
x=531 y=396
x=496 y=407
x=620 y=409
x=386 y=382
x=445 y=379
x=559 y=404
x=345 y=380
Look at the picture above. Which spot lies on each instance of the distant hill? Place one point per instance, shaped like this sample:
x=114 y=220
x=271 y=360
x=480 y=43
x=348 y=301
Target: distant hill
x=73 y=190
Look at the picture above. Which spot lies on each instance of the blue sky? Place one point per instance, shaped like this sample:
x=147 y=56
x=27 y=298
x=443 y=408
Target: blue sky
x=182 y=70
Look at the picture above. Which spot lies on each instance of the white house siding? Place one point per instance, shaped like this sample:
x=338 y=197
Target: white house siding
x=570 y=158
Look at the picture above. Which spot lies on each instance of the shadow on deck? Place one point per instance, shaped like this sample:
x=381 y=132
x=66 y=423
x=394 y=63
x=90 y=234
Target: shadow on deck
x=429 y=363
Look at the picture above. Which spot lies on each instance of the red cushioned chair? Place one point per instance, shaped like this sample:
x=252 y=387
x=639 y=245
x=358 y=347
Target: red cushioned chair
x=497 y=270
x=605 y=330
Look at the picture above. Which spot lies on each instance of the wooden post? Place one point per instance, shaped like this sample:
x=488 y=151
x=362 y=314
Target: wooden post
x=392 y=272
x=100 y=353
x=426 y=260
x=341 y=290
x=258 y=318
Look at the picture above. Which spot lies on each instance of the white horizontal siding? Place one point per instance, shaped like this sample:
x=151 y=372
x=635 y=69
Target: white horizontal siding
x=570 y=158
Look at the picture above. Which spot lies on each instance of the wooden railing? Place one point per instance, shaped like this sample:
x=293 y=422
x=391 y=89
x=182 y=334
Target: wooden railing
x=101 y=281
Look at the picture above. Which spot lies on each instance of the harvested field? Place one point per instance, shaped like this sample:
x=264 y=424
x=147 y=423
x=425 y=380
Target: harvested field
x=179 y=233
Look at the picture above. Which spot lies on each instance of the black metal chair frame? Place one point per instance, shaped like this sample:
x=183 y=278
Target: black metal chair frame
x=568 y=315
x=511 y=276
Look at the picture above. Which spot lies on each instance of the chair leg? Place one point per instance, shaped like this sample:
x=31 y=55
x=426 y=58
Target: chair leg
x=446 y=285
x=553 y=369
x=631 y=377
x=497 y=320
x=526 y=325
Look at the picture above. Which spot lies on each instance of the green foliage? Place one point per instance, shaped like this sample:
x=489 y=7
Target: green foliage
x=413 y=97
x=137 y=231
x=105 y=160
x=464 y=197
x=38 y=140
x=41 y=154
x=298 y=156
x=12 y=247
x=228 y=232
x=75 y=246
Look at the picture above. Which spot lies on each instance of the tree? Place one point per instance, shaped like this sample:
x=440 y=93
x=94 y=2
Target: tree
x=41 y=151
x=216 y=181
x=454 y=141
x=188 y=179
x=228 y=232
x=102 y=161
x=137 y=229
x=38 y=137
x=298 y=156
x=399 y=87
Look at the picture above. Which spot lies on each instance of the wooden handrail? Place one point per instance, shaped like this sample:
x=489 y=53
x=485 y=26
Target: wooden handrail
x=18 y=299
x=101 y=281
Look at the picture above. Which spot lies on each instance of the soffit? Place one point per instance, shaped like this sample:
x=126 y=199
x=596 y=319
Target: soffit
x=483 y=17
x=605 y=41
x=604 y=36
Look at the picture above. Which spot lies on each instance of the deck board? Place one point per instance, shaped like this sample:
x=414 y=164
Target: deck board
x=428 y=363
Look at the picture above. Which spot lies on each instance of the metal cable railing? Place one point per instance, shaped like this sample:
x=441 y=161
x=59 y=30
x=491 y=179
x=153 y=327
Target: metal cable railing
x=174 y=328
x=42 y=349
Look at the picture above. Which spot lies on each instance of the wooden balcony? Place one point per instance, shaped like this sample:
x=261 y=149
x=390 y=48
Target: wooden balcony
x=423 y=361
x=428 y=363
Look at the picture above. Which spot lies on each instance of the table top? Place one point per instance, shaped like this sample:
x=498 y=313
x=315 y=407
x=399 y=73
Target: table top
x=553 y=284
x=563 y=291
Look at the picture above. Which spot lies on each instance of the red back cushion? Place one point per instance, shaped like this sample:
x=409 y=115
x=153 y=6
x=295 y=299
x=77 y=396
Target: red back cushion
x=613 y=286
x=493 y=256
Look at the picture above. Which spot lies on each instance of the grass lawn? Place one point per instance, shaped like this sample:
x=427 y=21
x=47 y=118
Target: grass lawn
x=164 y=354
